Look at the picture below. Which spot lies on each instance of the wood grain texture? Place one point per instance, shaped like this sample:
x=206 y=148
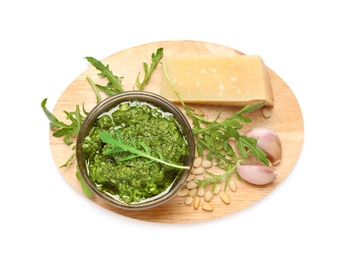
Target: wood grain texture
x=286 y=120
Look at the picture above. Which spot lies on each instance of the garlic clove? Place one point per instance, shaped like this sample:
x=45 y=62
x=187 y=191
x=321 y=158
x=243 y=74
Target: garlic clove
x=257 y=174
x=269 y=142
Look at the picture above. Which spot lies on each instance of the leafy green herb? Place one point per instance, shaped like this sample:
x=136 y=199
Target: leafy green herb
x=114 y=85
x=84 y=186
x=68 y=131
x=70 y=158
x=148 y=71
x=95 y=88
x=217 y=137
x=215 y=179
x=63 y=129
x=134 y=149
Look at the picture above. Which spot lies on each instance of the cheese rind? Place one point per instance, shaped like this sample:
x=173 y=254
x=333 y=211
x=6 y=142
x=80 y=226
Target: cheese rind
x=221 y=80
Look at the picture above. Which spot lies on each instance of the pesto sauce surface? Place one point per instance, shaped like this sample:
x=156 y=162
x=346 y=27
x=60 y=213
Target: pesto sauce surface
x=137 y=179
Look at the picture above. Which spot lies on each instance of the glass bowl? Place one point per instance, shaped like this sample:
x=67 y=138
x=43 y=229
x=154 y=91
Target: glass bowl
x=166 y=107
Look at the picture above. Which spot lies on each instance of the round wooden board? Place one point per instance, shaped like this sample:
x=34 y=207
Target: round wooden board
x=286 y=120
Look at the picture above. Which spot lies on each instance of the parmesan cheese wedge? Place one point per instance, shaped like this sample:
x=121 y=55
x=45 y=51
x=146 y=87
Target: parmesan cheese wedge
x=220 y=80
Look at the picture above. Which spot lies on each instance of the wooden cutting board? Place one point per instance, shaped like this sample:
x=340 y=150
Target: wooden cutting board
x=286 y=120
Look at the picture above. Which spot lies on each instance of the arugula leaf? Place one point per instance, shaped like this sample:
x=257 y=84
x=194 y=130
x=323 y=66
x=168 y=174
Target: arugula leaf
x=245 y=143
x=69 y=159
x=119 y=146
x=63 y=129
x=87 y=192
x=215 y=179
x=114 y=85
x=246 y=109
x=148 y=71
x=95 y=88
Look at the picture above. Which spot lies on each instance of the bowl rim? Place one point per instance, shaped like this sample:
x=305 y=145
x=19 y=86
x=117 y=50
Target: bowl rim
x=152 y=98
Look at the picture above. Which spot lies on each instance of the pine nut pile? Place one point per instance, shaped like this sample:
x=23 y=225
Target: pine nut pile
x=205 y=197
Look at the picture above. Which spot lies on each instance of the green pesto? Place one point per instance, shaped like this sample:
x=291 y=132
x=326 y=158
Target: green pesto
x=137 y=179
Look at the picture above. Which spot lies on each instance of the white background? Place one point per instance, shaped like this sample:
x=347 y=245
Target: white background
x=309 y=44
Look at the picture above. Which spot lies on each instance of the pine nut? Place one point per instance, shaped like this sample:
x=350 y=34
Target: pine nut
x=232 y=185
x=206 y=152
x=198 y=170
x=198 y=112
x=197 y=161
x=201 y=191
x=266 y=112
x=206 y=163
x=196 y=202
x=182 y=192
x=188 y=200
x=191 y=185
x=207 y=206
x=225 y=197
x=208 y=196
x=190 y=177
x=217 y=188
x=193 y=192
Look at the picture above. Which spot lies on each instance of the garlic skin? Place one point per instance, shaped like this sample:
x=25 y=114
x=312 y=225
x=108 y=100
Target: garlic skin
x=257 y=174
x=269 y=142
